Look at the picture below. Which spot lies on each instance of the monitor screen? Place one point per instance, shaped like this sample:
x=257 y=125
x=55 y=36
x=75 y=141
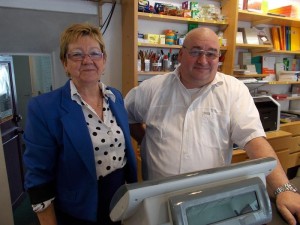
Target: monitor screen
x=245 y=200
x=221 y=209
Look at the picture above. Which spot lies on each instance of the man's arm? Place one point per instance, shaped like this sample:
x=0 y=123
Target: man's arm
x=288 y=203
x=137 y=131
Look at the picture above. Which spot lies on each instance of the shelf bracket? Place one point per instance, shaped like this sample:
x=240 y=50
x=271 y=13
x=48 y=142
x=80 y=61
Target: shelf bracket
x=100 y=4
x=258 y=22
x=257 y=52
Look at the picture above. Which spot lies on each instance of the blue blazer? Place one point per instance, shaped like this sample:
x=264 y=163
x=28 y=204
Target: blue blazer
x=59 y=155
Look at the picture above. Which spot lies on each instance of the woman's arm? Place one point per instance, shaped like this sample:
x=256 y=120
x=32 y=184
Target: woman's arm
x=47 y=216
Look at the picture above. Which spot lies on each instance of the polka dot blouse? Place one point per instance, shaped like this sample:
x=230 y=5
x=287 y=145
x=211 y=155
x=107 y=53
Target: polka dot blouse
x=107 y=137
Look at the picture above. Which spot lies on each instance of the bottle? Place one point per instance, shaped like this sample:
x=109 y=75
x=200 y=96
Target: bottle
x=170 y=35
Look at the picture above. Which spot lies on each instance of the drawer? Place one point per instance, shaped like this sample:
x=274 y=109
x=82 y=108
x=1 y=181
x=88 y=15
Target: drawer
x=295 y=144
x=280 y=143
x=293 y=128
x=239 y=156
x=294 y=159
x=284 y=158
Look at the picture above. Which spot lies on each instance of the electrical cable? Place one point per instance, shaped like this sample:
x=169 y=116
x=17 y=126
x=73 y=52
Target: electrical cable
x=108 y=19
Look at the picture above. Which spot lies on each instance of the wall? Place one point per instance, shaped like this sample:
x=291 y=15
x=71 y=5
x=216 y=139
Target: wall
x=6 y=216
x=113 y=39
x=38 y=24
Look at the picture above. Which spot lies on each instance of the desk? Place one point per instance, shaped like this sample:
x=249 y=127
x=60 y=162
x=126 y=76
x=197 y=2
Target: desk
x=276 y=219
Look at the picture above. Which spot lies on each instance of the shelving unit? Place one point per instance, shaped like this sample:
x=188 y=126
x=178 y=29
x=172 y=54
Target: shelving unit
x=265 y=19
x=131 y=16
x=177 y=19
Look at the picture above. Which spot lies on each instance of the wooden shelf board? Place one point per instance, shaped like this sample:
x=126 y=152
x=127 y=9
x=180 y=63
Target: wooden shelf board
x=152 y=73
x=251 y=46
x=260 y=18
x=285 y=52
x=140 y=44
x=293 y=98
x=177 y=19
x=251 y=75
x=284 y=82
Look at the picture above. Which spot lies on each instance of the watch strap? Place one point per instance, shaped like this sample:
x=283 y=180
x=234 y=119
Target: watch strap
x=285 y=187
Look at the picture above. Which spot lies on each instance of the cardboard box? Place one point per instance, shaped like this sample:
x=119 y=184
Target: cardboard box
x=244 y=58
x=152 y=38
x=195 y=14
x=194 y=6
x=186 y=5
x=268 y=64
x=162 y=39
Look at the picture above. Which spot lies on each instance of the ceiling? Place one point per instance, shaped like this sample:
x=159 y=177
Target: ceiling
x=25 y=31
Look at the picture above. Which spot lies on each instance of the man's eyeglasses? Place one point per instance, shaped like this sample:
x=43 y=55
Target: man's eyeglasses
x=79 y=56
x=210 y=54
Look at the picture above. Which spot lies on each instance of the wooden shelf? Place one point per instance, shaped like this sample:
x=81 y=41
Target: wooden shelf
x=251 y=76
x=152 y=73
x=284 y=82
x=293 y=98
x=285 y=52
x=251 y=46
x=141 y=44
x=260 y=18
x=177 y=19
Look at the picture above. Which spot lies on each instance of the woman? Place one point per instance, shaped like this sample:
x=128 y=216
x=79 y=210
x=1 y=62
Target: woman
x=78 y=146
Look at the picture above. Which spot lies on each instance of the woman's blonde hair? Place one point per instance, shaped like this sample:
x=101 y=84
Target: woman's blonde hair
x=75 y=31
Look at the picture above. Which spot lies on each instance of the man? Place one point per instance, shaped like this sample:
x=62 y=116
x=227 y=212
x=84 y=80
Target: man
x=194 y=115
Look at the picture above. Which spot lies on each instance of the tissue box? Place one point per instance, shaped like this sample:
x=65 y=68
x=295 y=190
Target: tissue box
x=152 y=38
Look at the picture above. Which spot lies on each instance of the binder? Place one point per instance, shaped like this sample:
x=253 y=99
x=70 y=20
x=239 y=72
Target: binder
x=295 y=38
x=275 y=38
x=283 y=37
x=288 y=37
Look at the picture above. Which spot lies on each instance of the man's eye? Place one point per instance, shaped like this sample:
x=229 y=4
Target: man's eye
x=195 y=53
x=210 y=54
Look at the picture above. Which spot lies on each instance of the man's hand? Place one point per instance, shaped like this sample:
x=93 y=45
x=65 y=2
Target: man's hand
x=288 y=204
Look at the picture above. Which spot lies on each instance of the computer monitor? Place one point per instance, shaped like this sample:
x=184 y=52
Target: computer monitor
x=149 y=202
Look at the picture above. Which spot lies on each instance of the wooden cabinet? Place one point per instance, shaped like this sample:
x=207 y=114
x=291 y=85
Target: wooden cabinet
x=279 y=140
x=285 y=142
x=294 y=129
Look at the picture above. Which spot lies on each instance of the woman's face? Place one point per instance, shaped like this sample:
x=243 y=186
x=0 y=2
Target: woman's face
x=85 y=61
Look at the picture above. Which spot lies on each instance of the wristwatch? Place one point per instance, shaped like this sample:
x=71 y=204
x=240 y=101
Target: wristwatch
x=285 y=187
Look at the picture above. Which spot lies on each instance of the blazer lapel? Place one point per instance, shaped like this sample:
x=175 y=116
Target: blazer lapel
x=77 y=131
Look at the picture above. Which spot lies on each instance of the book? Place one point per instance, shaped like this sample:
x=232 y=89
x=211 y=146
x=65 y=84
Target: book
x=251 y=36
x=254 y=5
x=288 y=38
x=295 y=38
x=244 y=58
x=263 y=34
x=268 y=64
x=283 y=37
x=275 y=38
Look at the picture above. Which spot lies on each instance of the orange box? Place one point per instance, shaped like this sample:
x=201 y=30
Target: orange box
x=289 y=10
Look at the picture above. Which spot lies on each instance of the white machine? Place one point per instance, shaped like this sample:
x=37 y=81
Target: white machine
x=229 y=195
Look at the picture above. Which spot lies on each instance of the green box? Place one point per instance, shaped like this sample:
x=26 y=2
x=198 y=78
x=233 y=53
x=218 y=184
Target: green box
x=195 y=14
x=194 y=6
x=192 y=26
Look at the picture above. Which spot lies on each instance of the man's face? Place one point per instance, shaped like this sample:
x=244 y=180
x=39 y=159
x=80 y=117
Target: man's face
x=199 y=59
